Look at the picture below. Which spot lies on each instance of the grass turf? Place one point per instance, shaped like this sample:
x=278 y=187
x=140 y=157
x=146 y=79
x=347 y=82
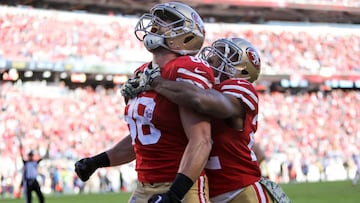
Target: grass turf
x=323 y=192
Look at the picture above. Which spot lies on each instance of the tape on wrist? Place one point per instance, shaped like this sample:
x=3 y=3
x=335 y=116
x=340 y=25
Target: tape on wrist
x=181 y=185
x=101 y=160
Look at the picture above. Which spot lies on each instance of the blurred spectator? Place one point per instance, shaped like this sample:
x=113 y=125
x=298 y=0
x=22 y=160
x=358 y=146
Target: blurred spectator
x=56 y=185
x=80 y=121
x=90 y=120
x=42 y=35
x=78 y=184
x=356 y=160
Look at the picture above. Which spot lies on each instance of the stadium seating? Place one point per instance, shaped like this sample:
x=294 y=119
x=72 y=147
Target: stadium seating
x=42 y=35
x=319 y=130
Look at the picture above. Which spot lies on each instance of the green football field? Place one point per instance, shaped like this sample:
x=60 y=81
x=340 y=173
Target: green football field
x=326 y=192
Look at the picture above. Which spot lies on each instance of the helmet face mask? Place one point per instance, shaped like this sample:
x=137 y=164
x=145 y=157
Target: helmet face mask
x=154 y=25
x=238 y=58
x=173 y=26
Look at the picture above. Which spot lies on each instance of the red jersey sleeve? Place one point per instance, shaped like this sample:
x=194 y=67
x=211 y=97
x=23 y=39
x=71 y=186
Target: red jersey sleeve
x=243 y=90
x=191 y=69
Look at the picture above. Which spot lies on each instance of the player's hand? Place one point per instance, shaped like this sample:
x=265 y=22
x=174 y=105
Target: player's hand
x=141 y=82
x=131 y=88
x=168 y=197
x=84 y=168
x=150 y=73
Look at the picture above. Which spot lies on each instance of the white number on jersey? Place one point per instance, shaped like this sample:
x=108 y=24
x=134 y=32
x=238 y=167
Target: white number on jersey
x=137 y=122
x=199 y=60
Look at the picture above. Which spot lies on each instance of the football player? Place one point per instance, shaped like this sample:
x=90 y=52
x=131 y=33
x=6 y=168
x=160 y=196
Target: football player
x=171 y=144
x=233 y=170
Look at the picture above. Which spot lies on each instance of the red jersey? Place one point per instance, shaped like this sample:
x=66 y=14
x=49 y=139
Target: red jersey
x=233 y=164
x=154 y=122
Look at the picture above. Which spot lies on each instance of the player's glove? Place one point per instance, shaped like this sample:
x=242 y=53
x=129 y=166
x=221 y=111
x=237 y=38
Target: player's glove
x=84 y=168
x=168 y=197
x=150 y=73
x=131 y=88
x=141 y=82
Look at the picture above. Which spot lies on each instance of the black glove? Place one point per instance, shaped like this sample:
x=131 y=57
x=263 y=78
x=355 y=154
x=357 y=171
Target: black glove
x=84 y=168
x=168 y=197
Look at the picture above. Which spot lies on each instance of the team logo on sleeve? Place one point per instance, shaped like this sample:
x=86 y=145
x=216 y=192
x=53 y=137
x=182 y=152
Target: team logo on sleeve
x=197 y=70
x=253 y=57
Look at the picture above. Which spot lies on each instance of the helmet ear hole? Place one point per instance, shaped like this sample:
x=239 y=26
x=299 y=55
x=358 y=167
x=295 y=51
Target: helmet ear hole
x=244 y=72
x=188 y=39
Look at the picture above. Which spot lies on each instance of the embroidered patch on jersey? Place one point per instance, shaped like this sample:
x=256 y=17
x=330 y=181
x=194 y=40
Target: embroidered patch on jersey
x=148 y=113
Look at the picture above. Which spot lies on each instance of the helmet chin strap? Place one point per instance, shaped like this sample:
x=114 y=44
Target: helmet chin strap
x=152 y=42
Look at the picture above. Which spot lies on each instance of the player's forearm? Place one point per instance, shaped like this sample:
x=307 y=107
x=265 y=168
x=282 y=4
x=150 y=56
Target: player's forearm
x=198 y=131
x=181 y=93
x=209 y=102
x=260 y=154
x=194 y=158
x=122 y=152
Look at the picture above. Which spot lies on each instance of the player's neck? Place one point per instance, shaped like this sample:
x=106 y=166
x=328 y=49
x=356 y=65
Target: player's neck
x=162 y=58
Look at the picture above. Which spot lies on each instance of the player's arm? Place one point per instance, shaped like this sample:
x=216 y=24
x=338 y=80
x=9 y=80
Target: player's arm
x=46 y=155
x=207 y=101
x=260 y=154
x=121 y=153
x=196 y=154
x=198 y=131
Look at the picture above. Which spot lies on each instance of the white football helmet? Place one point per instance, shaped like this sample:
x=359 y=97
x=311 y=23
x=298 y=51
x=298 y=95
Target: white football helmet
x=174 y=26
x=232 y=58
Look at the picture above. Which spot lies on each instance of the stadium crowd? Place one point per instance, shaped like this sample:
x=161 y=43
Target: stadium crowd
x=307 y=136
x=76 y=123
x=314 y=131
x=44 y=35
